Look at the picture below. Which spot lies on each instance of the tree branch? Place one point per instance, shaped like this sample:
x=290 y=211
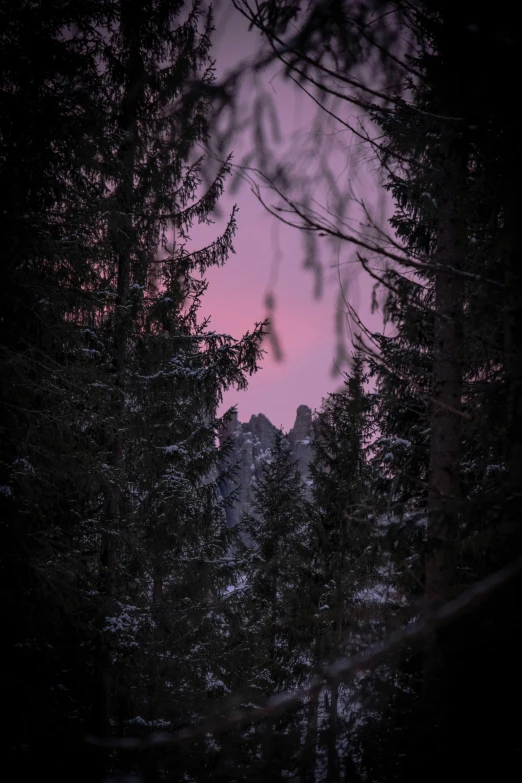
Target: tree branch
x=340 y=671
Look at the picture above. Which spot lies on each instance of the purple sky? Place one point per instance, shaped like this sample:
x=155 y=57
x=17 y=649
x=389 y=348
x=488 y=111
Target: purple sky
x=235 y=298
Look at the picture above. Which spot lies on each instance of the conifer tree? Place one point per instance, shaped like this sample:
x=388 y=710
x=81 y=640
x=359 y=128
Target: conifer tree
x=276 y=597
x=162 y=520
x=440 y=371
x=52 y=293
x=110 y=371
x=339 y=489
x=277 y=529
x=344 y=548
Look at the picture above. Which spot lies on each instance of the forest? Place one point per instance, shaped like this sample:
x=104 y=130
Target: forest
x=355 y=624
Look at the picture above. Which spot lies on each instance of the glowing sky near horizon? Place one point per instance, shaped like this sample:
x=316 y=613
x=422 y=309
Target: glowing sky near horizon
x=235 y=297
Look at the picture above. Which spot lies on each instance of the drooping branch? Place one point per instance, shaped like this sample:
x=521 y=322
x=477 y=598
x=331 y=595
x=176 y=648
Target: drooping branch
x=340 y=671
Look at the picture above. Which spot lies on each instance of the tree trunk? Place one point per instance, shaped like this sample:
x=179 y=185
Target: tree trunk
x=332 y=774
x=157 y=591
x=120 y=229
x=445 y=446
x=268 y=749
x=513 y=360
x=308 y=757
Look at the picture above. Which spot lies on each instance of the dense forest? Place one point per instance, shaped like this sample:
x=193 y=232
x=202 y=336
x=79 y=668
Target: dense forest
x=359 y=625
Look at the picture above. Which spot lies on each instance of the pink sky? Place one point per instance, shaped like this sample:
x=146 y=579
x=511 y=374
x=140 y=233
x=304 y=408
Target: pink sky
x=235 y=298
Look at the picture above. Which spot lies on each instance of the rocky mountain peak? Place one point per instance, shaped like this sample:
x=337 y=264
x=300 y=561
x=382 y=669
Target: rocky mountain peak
x=299 y=438
x=251 y=446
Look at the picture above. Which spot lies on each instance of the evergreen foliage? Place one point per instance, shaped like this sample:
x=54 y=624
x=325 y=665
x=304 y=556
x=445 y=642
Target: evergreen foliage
x=128 y=604
x=277 y=572
x=111 y=381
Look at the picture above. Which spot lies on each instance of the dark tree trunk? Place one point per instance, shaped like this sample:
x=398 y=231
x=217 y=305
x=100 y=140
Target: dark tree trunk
x=513 y=358
x=446 y=413
x=332 y=774
x=121 y=231
x=308 y=756
x=157 y=591
x=445 y=445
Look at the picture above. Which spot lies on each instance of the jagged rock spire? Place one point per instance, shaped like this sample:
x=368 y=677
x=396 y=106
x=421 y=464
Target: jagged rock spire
x=252 y=443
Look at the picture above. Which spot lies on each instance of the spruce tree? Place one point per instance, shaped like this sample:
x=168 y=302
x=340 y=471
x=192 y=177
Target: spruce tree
x=162 y=527
x=275 y=599
x=439 y=373
x=112 y=383
x=344 y=545
x=51 y=364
